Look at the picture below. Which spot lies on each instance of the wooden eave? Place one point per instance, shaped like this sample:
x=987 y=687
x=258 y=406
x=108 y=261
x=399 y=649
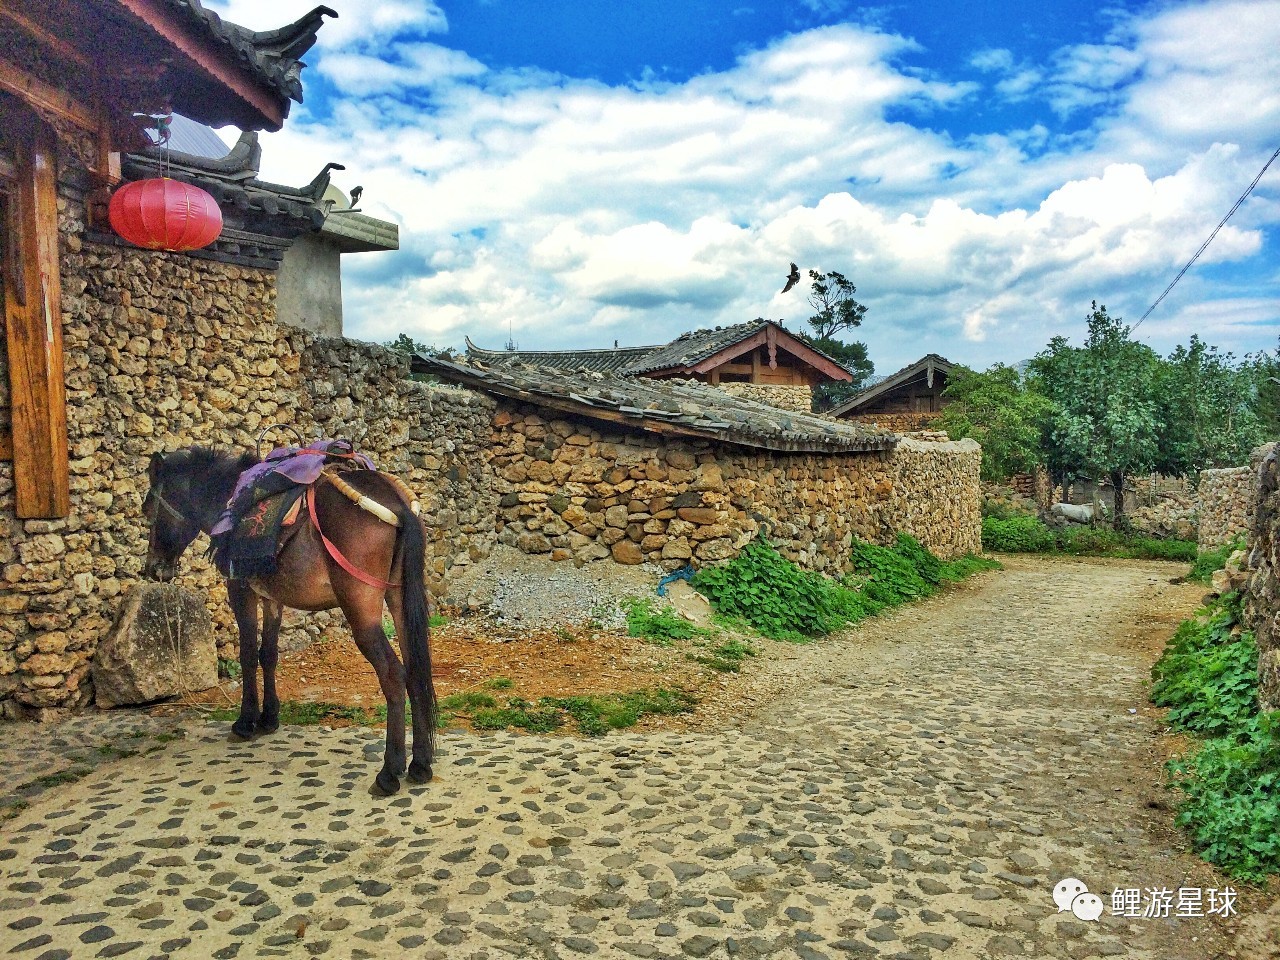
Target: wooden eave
x=775 y=339
x=930 y=365
x=214 y=63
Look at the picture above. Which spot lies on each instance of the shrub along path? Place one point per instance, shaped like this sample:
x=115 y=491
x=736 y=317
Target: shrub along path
x=913 y=788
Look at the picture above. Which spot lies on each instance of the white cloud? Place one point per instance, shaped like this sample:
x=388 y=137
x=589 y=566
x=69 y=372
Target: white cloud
x=578 y=213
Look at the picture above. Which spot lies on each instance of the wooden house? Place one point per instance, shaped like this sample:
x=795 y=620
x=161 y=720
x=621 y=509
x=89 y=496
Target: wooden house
x=76 y=76
x=908 y=400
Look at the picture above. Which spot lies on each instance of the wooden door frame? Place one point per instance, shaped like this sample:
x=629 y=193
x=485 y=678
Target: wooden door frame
x=33 y=326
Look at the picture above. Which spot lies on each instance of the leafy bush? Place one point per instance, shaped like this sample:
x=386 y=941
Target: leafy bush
x=776 y=597
x=1016 y=535
x=1208 y=676
x=1231 y=804
x=1207 y=562
x=783 y=602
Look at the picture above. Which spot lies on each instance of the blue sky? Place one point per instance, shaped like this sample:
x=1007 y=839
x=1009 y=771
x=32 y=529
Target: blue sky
x=579 y=173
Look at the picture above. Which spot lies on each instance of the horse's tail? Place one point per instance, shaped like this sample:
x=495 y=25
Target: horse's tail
x=412 y=546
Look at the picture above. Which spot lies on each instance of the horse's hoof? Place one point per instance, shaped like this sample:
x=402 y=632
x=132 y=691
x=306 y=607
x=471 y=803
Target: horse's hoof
x=242 y=729
x=419 y=773
x=268 y=726
x=385 y=784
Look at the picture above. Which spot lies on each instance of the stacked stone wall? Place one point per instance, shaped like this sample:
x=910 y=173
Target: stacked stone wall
x=578 y=491
x=897 y=422
x=163 y=351
x=1226 y=503
x=785 y=395
x=1262 y=592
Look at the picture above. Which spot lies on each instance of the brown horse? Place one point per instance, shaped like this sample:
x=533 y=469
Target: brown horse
x=187 y=493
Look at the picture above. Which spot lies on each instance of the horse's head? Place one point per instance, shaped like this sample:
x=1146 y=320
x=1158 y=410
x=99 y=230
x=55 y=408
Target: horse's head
x=171 y=511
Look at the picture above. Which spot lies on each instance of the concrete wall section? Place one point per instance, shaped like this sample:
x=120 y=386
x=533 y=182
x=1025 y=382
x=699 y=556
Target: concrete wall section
x=309 y=287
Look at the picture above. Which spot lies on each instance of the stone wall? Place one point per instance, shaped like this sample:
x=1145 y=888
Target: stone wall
x=785 y=395
x=897 y=422
x=1262 y=594
x=1226 y=501
x=575 y=489
x=163 y=351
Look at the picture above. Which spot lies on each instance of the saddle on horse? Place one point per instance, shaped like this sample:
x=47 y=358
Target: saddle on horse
x=267 y=498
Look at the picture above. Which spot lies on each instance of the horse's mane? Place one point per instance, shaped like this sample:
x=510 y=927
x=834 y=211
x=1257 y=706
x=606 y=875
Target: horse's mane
x=212 y=469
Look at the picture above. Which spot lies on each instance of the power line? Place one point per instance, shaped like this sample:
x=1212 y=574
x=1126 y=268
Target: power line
x=1204 y=246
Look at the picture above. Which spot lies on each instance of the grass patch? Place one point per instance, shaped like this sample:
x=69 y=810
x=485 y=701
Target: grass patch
x=1208 y=679
x=12 y=809
x=61 y=777
x=109 y=752
x=309 y=713
x=660 y=625
x=467 y=701
x=727 y=657
x=500 y=683
x=593 y=714
x=1020 y=533
x=1232 y=798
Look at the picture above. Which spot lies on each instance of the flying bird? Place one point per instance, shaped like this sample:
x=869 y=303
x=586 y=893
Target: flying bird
x=792 y=278
x=355 y=196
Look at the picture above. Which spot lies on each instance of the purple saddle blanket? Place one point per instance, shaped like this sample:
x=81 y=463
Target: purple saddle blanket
x=301 y=465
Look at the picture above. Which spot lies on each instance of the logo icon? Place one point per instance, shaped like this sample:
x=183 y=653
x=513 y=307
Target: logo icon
x=1071 y=894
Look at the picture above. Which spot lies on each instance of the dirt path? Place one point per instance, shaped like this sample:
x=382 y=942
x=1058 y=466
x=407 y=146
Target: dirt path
x=914 y=789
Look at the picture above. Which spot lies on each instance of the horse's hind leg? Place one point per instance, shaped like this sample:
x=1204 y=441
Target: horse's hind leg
x=366 y=624
x=244 y=604
x=269 y=656
x=421 y=700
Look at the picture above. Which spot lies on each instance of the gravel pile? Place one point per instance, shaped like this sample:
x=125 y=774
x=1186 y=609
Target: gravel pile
x=515 y=589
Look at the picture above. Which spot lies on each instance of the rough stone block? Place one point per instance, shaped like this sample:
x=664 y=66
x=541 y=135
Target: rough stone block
x=161 y=645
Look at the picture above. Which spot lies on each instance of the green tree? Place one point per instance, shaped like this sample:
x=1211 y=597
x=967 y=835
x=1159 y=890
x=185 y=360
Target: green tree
x=1264 y=372
x=1004 y=412
x=853 y=357
x=404 y=343
x=831 y=296
x=836 y=310
x=1107 y=420
x=1209 y=411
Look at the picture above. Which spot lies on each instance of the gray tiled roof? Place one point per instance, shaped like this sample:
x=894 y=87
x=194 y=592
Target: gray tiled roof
x=272 y=55
x=695 y=346
x=683 y=352
x=933 y=361
x=601 y=361
x=681 y=407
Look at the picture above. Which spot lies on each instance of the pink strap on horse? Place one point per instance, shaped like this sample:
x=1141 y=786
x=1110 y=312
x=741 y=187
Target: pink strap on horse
x=334 y=552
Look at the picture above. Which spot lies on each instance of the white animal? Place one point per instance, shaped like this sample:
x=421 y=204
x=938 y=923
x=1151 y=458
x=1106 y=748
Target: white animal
x=1076 y=513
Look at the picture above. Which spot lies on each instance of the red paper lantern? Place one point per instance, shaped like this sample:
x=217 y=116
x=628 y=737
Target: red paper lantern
x=165 y=214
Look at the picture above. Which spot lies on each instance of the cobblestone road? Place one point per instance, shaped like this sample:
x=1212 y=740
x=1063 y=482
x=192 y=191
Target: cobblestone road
x=917 y=797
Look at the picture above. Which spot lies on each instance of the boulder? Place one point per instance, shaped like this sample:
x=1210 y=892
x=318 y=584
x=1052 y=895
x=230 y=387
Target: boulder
x=160 y=646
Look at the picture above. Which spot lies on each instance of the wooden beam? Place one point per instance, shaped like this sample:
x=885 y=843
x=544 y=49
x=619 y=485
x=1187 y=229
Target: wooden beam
x=45 y=97
x=33 y=328
x=775 y=337
x=54 y=42
x=203 y=53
